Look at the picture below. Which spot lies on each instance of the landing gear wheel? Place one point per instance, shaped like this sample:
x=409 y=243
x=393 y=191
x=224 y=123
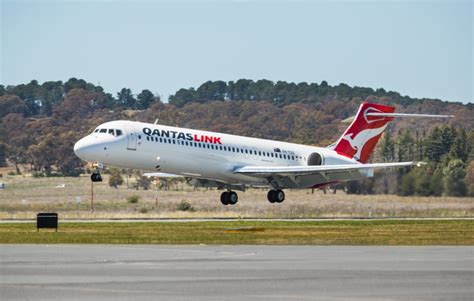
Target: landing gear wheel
x=280 y=196
x=225 y=198
x=96 y=177
x=233 y=198
x=276 y=196
x=229 y=198
x=271 y=196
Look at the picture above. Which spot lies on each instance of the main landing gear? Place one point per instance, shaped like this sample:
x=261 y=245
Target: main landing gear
x=276 y=196
x=229 y=198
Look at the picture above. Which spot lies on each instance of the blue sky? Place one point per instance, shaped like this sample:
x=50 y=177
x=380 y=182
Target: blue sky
x=420 y=49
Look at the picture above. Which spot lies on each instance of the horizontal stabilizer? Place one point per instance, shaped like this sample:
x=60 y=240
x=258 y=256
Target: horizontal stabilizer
x=350 y=119
x=408 y=115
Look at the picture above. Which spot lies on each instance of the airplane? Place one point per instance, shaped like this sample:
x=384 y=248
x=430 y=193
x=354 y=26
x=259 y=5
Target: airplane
x=231 y=162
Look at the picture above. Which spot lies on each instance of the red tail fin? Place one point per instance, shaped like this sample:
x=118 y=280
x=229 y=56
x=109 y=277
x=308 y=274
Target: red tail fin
x=360 y=138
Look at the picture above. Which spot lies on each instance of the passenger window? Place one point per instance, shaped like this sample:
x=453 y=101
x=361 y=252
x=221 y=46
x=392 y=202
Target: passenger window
x=147 y=138
x=233 y=149
x=161 y=140
x=220 y=147
x=246 y=151
x=212 y=146
x=103 y=131
x=225 y=148
x=259 y=153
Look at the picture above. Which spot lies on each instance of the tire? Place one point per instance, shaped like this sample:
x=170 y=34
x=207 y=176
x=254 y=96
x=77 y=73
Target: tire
x=233 y=198
x=271 y=196
x=225 y=198
x=279 y=196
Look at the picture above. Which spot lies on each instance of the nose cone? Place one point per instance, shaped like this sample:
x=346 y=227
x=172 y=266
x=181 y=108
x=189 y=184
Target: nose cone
x=84 y=149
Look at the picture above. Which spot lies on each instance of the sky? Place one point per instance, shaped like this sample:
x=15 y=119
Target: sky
x=420 y=49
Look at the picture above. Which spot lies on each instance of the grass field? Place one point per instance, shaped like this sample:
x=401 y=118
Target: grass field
x=363 y=232
x=25 y=196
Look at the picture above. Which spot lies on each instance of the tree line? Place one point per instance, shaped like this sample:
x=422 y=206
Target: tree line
x=39 y=123
x=449 y=153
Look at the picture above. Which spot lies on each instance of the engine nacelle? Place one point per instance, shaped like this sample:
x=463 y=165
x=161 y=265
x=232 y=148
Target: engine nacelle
x=315 y=159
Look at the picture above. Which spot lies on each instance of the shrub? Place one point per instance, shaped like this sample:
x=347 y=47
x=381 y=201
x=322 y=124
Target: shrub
x=143 y=210
x=185 y=206
x=133 y=199
x=115 y=178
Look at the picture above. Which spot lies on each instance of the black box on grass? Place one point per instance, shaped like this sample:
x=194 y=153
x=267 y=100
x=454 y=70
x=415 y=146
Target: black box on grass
x=47 y=220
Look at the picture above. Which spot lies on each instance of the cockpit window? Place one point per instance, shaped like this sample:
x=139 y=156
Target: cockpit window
x=118 y=132
x=111 y=131
x=103 y=131
x=96 y=130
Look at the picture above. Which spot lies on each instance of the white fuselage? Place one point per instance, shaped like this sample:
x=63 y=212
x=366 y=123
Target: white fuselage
x=202 y=154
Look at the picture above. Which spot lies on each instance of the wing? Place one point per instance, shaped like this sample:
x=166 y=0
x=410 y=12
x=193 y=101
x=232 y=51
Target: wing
x=161 y=175
x=265 y=171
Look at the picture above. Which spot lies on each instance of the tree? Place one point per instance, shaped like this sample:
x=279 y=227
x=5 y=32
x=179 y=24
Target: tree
x=126 y=99
x=3 y=154
x=453 y=181
x=407 y=184
x=422 y=185
x=145 y=99
x=460 y=147
x=115 y=178
x=387 y=148
x=469 y=179
x=11 y=104
x=143 y=182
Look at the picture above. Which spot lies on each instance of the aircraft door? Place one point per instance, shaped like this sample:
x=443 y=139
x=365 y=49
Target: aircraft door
x=131 y=137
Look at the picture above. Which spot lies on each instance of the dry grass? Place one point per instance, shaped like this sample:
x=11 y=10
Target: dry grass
x=25 y=196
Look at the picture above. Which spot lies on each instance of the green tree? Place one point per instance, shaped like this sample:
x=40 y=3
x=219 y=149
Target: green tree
x=422 y=185
x=407 y=184
x=145 y=99
x=433 y=147
x=436 y=183
x=469 y=179
x=126 y=99
x=460 y=147
x=453 y=181
x=387 y=148
x=115 y=177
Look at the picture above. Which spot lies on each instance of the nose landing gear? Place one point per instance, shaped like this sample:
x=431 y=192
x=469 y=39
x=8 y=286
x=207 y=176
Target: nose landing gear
x=276 y=196
x=229 y=198
x=96 y=177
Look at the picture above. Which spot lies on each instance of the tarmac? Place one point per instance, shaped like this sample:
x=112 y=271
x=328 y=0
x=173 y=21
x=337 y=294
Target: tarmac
x=163 y=272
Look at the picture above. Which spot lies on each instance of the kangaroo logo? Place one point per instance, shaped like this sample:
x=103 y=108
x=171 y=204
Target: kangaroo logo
x=358 y=141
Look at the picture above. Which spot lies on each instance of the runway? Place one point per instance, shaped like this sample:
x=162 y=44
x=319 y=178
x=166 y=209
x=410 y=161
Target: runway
x=157 y=272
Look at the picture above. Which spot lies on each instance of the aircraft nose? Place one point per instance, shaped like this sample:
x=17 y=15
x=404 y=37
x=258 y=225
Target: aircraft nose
x=84 y=149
